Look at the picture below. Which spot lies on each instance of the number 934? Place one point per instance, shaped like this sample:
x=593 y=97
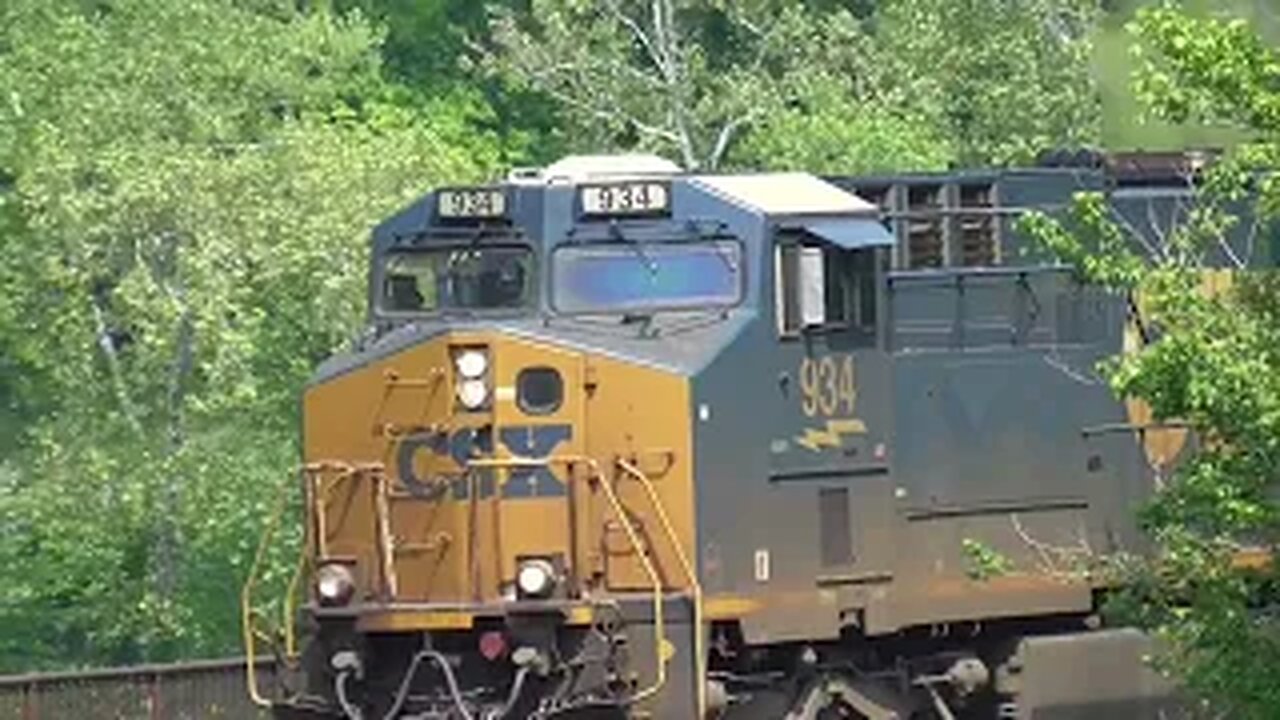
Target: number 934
x=827 y=385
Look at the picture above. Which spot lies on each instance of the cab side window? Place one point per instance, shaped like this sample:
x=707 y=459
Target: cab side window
x=824 y=288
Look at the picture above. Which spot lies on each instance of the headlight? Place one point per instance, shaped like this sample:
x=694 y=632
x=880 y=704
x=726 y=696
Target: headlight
x=472 y=394
x=335 y=585
x=471 y=364
x=536 y=578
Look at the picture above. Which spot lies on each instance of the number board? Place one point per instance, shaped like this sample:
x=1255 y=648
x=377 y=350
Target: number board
x=471 y=203
x=633 y=198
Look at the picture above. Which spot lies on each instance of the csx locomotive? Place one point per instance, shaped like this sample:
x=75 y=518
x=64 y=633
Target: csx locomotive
x=629 y=442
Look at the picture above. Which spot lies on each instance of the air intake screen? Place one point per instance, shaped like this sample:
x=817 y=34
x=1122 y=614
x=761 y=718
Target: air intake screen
x=833 y=524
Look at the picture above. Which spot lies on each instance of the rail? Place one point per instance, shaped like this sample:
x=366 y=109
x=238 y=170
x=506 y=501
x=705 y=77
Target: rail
x=180 y=691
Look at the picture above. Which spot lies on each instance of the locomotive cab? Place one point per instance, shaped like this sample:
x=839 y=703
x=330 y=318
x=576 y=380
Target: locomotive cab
x=630 y=441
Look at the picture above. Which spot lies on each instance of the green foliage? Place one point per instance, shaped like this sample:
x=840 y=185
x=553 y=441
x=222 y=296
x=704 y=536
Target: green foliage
x=429 y=51
x=186 y=191
x=192 y=187
x=1000 y=81
x=904 y=84
x=1126 y=121
x=983 y=561
x=1090 y=241
x=1215 y=364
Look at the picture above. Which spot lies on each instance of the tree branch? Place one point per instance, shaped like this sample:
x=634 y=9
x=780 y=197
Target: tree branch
x=1220 y=238
x=169 y=276
x=608 y=114
x=640 y=35
x=1153 y=251
x=118 y=384
x=665 y=32
x=1053 y=558
x=725 y=136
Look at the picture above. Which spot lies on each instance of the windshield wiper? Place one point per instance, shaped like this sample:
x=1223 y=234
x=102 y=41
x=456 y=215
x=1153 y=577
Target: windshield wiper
x=636 y=246
x=725 y=257
x=710 y=237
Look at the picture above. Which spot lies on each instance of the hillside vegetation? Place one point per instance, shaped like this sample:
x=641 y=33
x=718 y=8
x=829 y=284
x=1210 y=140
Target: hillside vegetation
x=186 y=191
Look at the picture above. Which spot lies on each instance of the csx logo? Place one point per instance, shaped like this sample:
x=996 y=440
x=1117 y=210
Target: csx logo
x=534 y=442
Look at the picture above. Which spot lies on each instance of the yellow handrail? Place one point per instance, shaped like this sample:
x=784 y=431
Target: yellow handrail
x=386 y=541
x=700 y=660
x=661 y=644
x=291 y=603
x=661 y=657
x=289 y=607
x=246 y=593
x=659 y=631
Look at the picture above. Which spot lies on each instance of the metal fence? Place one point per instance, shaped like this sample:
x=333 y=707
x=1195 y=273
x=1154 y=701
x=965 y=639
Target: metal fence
x=182 y=691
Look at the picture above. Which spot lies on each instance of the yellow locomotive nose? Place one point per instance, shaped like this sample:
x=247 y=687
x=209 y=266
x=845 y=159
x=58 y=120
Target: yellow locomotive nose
x=471 y=434
x=474 y=480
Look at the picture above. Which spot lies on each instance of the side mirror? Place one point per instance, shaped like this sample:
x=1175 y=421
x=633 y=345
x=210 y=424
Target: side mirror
x=812 y=287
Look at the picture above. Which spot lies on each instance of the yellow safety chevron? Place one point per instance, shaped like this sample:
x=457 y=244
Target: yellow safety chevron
x=816 y=439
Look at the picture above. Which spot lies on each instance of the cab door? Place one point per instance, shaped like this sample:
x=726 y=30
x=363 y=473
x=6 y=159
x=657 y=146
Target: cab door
x=829 y=448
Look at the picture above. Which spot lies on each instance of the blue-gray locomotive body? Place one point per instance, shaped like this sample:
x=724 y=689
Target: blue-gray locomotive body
x=823 y=448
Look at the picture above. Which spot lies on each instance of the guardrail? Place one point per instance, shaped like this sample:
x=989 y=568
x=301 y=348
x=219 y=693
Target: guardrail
x=181 y=691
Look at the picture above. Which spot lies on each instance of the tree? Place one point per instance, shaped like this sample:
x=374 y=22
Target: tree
x=1213 y=362
x=902 y=84
x=640 y=74
x=188 y=191
x=1001 y=80
x=427 y=54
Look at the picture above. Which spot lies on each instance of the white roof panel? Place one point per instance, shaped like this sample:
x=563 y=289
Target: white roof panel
x=584 y=168
x=786 y=194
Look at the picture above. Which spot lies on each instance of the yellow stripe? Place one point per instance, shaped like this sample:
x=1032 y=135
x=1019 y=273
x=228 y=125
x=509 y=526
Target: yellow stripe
x=581 y=615
x=729 y=607
x=414 y=620
x=410 y=620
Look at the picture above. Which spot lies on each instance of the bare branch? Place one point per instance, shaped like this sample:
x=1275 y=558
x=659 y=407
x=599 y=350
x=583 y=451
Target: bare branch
x=724 y=137
x=663 y=32
x=640 y=36
x=1219 y=237
x=1153 y=222
x=666 y=39
x=764 y=36
x=1229 y=251
x=1153 y=251
x=1063 y=561
x=742 y=20
x=611 y=114
x=107 y=344
x=1251 y=242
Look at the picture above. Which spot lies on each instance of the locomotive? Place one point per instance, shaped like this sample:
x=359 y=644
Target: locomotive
x=625 y=441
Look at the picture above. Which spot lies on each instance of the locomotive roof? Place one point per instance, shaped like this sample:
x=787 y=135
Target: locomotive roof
x=786 y=194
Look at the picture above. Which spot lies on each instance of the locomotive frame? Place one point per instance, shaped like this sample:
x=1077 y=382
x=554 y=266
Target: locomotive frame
x=774 y=506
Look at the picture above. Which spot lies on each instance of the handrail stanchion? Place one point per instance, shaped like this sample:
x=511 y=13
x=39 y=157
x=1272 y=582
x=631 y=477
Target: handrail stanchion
x=246 y=593
x=660 y=642
x=700 y=660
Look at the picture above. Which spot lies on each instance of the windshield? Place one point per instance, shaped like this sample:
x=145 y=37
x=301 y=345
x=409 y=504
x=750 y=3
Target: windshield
x=646 y=276
x=457 y=277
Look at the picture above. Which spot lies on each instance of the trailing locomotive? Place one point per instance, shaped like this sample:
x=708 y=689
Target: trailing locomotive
x=627 y=442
